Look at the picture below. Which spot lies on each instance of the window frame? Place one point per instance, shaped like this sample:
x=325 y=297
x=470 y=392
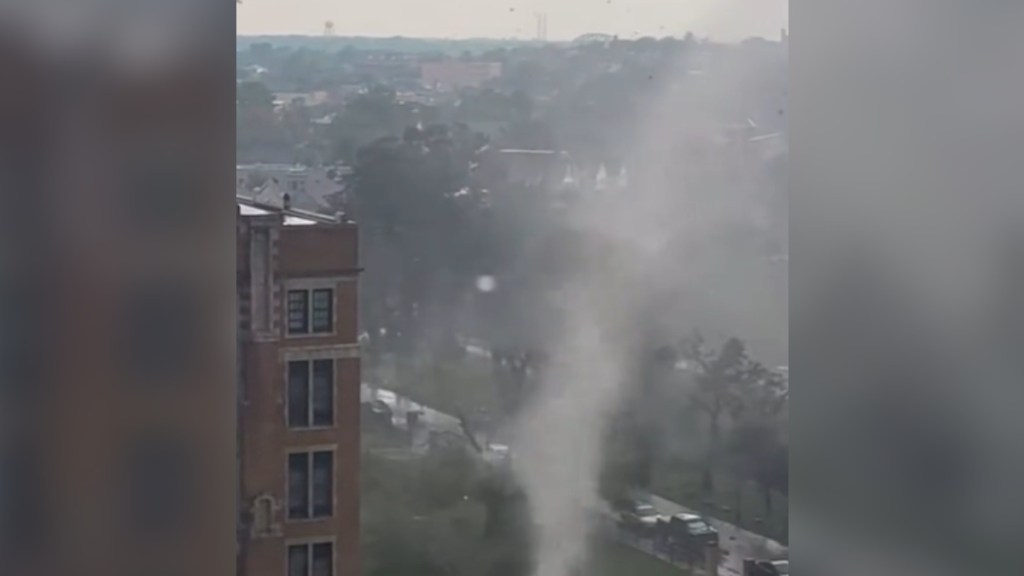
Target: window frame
x=310 y=375
x=309 y=544
x=306 y=313
x=309 y=329
x=310 y=453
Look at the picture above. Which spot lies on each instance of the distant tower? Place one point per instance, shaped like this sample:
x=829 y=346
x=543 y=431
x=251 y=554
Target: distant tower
x=542 y=27
x=328 y=28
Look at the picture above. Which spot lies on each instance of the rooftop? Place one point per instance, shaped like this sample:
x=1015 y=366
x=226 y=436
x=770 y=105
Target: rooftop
x=292 y=216
x=519 y=151
x=273 y=167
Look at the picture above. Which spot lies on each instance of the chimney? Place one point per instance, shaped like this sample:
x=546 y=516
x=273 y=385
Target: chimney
x=286 y=201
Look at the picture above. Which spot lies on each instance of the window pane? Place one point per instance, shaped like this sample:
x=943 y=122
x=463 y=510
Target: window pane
x=298 y=560
x=298 y=394
x=323 y=559
x=323 y=392
x=323 y=310
x=298 y=312
x=323 y=477
x=298 y=485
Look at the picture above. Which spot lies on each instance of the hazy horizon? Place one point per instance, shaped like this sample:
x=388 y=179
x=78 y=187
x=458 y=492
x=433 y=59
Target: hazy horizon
x=725 y=20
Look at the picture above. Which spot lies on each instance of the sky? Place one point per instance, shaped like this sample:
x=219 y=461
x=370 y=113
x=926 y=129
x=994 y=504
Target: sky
x=725 y=20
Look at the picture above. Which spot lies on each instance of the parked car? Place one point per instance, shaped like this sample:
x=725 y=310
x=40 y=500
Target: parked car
x=687 y=534
x=766 y=568
x=638 y=516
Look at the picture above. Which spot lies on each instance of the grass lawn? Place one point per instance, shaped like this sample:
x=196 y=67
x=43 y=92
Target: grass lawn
x=449 y=386
x=611 y=559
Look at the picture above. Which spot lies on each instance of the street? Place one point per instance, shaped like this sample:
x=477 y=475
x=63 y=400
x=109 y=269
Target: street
x=735 y=543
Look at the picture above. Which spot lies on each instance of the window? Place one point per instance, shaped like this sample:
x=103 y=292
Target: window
x=311 y=311
x=310 y=393
x=323 y=310
x=310 y=485
x=311 y=559
x=298 y=311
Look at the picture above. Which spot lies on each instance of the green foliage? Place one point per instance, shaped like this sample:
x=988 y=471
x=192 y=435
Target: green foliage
x=253 y=94
x=744 y=406
x=734 y=498
x=608 y=559
x=420 y=217
x=444 y=514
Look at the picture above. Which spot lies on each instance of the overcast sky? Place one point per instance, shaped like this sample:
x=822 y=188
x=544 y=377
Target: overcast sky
x=720 y=19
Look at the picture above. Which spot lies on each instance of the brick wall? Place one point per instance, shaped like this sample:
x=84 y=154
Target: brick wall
x=324 y=255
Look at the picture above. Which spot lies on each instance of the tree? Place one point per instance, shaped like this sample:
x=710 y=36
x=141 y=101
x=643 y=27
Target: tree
x=419 y=211
x=517 y=372
x=722 y=380
x=444 y=515
x=253 y=94
x=762 y=456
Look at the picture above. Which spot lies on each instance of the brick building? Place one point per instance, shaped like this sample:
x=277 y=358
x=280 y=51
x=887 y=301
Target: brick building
x=452 y=74
x=298 y=388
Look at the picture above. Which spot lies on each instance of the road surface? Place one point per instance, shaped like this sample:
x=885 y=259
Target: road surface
x=430 y=421
x=735 y=543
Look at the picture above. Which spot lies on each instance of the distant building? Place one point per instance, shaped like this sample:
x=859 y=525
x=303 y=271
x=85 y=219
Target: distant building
x=253 y=72
x=307 y=99
x=455 y=74
x=550 y=168
x=298 y=393
x=311 y=189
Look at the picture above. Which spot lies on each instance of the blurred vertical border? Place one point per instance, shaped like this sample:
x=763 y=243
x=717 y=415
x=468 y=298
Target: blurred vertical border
x=906 y=224
x=117 y=430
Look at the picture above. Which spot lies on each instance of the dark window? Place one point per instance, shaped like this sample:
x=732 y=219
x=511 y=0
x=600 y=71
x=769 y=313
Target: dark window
x=323 y=392
x=298 y=311
x=323 y=559
x=310 y=485
x=298 y=394
x=298 y=560
x=323 y=479
x=310 y=393
x=311 y=559
x=323 y=311
x=298 y=485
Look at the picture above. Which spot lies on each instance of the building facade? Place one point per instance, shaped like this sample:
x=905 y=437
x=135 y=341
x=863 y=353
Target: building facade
x=452 y=75
x=298 y=445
